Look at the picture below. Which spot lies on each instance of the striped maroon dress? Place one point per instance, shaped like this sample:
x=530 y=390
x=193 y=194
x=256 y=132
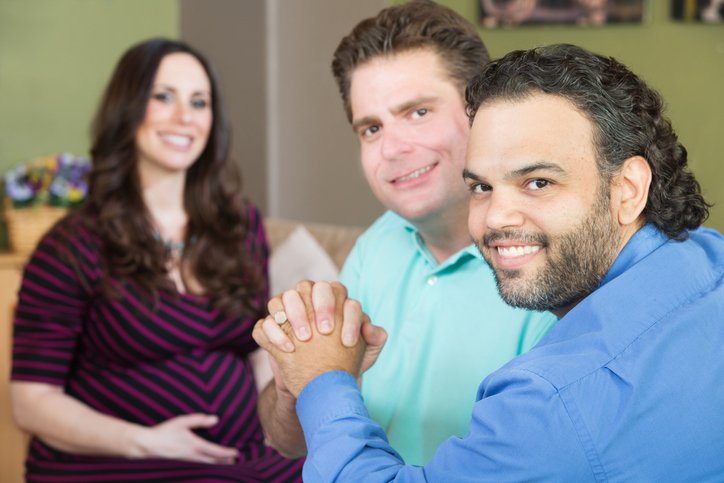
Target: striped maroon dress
x=138 y=362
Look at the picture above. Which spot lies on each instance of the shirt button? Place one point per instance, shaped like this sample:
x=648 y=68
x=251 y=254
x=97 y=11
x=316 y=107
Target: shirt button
x=432 y=280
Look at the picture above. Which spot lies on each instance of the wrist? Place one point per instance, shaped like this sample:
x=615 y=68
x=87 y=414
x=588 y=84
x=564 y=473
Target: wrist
x=285 y=397
x=135 y=442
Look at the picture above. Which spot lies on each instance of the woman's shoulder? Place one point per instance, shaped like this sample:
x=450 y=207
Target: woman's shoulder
x=73 y=238
x=250 y=212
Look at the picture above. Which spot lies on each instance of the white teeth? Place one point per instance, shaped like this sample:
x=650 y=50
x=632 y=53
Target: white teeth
x=518 y=251
x=415 y=174
x=176 y=139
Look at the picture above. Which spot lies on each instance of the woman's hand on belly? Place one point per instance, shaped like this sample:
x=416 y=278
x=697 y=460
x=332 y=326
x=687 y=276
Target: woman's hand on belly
x=175 y=439
x=71 y=426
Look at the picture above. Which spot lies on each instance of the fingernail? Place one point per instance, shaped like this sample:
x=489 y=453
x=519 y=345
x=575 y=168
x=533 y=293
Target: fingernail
x=325 y=326
x=347 y=339
x=289 y=347
x=374 y=329
x=303 y=333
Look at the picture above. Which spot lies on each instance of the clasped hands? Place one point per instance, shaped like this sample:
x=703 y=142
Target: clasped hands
x=322 y=334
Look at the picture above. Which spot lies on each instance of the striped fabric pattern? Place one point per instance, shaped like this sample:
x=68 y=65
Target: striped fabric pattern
x=138 y=361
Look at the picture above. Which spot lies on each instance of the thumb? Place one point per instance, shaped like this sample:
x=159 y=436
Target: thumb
x=196 y=420
x=374 y=336
x=277 y=375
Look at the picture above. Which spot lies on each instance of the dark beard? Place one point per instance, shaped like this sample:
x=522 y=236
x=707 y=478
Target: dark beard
x=576 y=262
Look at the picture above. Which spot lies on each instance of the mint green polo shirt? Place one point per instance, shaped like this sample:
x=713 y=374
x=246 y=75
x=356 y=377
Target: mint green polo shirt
x=447 y=330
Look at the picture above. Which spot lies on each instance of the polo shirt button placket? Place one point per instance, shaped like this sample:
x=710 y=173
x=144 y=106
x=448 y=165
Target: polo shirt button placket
x=432 y=280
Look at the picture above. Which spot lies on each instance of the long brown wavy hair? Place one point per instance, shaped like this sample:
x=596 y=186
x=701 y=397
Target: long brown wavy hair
x=217 y=249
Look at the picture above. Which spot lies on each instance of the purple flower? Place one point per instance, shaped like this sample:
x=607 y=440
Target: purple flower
x=61 y=180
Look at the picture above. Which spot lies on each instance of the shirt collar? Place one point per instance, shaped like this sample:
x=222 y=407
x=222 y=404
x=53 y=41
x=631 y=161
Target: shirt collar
x=641 y=244
x=464 y=253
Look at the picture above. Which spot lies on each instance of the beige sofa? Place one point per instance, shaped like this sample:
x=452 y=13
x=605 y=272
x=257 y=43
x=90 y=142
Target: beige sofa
x=337 y=240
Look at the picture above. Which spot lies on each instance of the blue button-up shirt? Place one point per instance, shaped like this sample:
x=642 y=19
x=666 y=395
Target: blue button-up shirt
x=628 y=386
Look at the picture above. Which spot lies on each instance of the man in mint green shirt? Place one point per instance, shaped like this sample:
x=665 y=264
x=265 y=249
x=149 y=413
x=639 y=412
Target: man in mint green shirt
x=402 y=76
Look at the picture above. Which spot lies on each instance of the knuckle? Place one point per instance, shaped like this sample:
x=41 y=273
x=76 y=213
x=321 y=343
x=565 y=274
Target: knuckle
x=304 y=285
x=321 y=287
x=353 y=305
x=338 y=288
x=274 y=302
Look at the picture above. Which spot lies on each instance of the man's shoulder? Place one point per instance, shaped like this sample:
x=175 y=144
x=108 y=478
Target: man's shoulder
x=711 y=242
x=679 y=286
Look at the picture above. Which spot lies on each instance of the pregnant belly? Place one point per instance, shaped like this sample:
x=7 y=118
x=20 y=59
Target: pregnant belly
x=210 y=382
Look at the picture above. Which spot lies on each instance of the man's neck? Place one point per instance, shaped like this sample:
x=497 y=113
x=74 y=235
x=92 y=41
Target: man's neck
x=445 y=233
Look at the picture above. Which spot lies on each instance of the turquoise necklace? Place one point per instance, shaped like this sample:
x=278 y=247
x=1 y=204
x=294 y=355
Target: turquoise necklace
x=175 y=248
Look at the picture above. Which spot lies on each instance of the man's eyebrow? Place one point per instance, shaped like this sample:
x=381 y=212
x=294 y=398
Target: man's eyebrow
x=365 y=121
x=414 y=103
x=405 y=106
x=531 y=168
x=467 y=174
x=518 y=173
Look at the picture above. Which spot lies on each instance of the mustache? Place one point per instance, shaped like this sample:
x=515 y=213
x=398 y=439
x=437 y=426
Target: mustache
x=517 y=235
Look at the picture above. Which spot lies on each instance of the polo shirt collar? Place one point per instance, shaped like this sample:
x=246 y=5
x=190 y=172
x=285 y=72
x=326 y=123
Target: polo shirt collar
x=424 y=251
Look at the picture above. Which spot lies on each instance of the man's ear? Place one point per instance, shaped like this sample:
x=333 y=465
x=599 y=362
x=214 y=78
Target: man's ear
x=632 y=187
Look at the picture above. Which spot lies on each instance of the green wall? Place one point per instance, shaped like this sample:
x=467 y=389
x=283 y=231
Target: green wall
x=684 y=62
x=55 y=58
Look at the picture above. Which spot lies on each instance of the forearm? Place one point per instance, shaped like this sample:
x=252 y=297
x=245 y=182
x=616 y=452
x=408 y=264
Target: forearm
x=278 y=416
x=344 y=441
x=69 y=425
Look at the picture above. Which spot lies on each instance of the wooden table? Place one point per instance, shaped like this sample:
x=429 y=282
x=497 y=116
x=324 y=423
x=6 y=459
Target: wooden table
x=12 y=441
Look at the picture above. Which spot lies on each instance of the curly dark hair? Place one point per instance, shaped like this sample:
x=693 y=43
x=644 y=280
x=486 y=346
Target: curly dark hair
x=217 y=249
x=627 y=116
x=414 y=25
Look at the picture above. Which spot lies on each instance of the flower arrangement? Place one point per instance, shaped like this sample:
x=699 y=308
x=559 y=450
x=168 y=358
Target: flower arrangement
x=48 y=180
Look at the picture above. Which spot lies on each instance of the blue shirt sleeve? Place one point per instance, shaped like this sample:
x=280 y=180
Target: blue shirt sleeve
x=520 y=430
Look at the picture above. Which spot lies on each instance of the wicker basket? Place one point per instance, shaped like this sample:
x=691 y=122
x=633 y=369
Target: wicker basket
x=26 y=226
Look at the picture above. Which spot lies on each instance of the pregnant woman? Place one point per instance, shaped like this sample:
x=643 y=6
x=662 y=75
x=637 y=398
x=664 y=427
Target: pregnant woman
x=133 y=326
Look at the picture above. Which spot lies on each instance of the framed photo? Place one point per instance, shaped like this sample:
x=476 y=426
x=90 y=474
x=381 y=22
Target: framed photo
x=511 y=13
x=707 y=11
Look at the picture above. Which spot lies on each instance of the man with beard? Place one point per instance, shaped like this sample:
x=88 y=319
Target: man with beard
x=582 y=204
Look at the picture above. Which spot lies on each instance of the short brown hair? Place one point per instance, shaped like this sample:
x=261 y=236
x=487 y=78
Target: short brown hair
x=414 y=25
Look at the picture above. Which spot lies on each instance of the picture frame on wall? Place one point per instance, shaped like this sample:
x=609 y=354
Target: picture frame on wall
x=705 y=11
x=585 y=13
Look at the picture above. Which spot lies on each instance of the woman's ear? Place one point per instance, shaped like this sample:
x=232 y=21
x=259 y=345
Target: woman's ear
x=632 y=187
